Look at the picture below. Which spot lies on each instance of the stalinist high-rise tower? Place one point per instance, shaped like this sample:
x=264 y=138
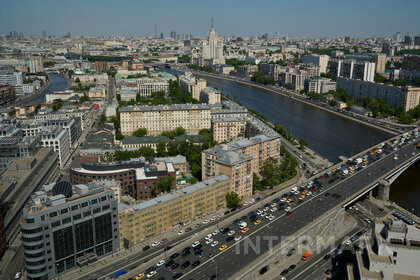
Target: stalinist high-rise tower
x=211 y=50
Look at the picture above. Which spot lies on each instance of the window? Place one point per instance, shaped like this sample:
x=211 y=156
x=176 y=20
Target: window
x=30 y=221
x=84 y=204
x=76 y=217
x=96 y=210
x=53 y=214
x=87 y=213
x=103 y=198
x=55 y=224
x=106 y=207
x=94 y=201
x=66 y=220
x=34 y=230
x=64 y=211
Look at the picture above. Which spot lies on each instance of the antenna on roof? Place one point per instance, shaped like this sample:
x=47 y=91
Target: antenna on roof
x=212 y=23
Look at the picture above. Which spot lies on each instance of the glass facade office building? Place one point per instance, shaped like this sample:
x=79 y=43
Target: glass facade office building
x=63 y=230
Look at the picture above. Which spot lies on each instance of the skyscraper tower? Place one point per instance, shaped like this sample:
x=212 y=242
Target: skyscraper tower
x=211 y=49
x=44 y=34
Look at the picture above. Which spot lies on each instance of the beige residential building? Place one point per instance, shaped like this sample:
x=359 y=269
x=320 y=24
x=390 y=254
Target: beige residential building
x=97 y=92
x=227 y=129
x=210 y=95
x=189 y=84
x=259 y=148
x=156 y=119
x=152 y=217
x=90 y=78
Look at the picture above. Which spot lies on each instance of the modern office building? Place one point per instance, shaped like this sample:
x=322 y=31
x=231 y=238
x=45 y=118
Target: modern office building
x=14 y=79
x=67 y=226
x=407 y=97
x=57 y=138
x=350 y=68
x=156 y=119
x=150 y=218
x=190 y=84
x=319 y=85
x=137 y=176
x=320 y=60
x=7 y=94
x=210 y=95
x=36 y=65
x=227 y=129
x=391 y=252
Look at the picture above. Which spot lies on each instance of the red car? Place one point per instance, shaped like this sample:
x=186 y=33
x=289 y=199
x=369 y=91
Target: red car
x=289 y=213
x=188 y=229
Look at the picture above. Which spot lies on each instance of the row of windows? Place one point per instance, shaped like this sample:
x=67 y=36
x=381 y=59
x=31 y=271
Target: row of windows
x=79 y=216
x=76 y=207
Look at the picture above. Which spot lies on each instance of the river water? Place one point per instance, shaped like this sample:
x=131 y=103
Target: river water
x=58 y=82
x=328 y=134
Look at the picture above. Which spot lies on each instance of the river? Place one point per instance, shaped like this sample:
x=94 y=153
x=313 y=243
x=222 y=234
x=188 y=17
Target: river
x=329 y=135
x=58 y=82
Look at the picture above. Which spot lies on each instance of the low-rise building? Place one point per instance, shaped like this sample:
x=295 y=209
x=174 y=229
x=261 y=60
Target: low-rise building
x=150 y=218
x=223 y=69
x=146 y=86
x=90 y=78
x=134 y=142
x=66 y=226
x=179 y=162
x=97 y=92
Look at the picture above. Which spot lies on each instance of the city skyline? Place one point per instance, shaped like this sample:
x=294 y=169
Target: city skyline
x=296 y=18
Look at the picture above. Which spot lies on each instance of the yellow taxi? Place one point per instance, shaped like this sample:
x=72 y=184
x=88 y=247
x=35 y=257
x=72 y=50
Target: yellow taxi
x=382 y=155
x=140 y=276
x=389 y=143
x=301 y=197
x=257 y=222
x=223 y=247
x=366 y=162
x=305 y=192
x=289 y=200
x=245 y=230
x=333 y=171
x=351 y=173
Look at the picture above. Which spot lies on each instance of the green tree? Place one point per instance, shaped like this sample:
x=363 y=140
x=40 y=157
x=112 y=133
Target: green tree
x=140 y=132
x=232 y=200
x=303 y=142
x=119 y=136
x=256 y=183
x=184 y=59
x=161 y=149
x=163 y=184
x=102 y=120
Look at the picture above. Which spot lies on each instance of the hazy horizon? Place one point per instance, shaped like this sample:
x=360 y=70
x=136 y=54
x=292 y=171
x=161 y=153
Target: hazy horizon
x=296 y=18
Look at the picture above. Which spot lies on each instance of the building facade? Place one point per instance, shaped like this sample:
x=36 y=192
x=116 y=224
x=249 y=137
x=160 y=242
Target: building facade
x=350 y=68
x=66 y=227
x=156 y=119
x=210 y=95
x=58 y=139
x=211 y=50
x=320 y=60
x=227 y=129
x=190 y=84
x=7 y=94
x=319 y=85
x=152 y=217
x=407 y=97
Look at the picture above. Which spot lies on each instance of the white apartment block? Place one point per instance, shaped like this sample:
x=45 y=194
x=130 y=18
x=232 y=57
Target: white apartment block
x=90 y=78
x=210 y=95
x=189 y=84
x=349 y=68
x=146 y=85
x=58 y=139
x=320 y=60
x=156 y=119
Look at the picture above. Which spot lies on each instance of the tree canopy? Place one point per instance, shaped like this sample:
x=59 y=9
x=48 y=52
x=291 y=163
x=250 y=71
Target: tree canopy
x=232 y=200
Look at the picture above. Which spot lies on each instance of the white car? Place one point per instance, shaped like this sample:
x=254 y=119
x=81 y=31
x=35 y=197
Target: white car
x=283 y=199
x=288 y=209
x=205 y=222
x=208 y=241
x=232 y=232
x=220 y=215
x=338 y=167
x=273 y=205
x=263 y=214
x=17 y=275
x=348 y=242
x=237 y=238
x=215 y=232
x=252 y=201
x=266 y=208
x=213 y=218
x=160 y=263
x=245 y=204
x=329 y=172
x=395 y=157
x=195 y=244
x=273 y=209
x=214 y=243
x=156 y=243
x=208 y=236
x=151 y=274
x=271 y=218
x=181 y=232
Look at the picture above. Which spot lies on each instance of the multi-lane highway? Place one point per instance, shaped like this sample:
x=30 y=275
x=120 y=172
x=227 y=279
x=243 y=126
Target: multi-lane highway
x=336 y=188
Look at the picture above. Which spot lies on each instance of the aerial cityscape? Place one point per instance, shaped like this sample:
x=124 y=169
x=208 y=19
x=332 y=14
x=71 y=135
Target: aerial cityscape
x=216 y=140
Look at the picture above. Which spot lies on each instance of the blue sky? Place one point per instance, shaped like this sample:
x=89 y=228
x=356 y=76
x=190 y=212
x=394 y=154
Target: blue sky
x=297 y=18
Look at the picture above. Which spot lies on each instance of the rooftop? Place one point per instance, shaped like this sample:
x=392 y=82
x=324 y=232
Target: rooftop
x=173 y=107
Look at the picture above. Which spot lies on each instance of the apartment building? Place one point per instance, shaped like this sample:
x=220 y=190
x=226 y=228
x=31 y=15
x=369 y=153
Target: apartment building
x=97 y=92
x=90 y=78
x=101 y=66
x=7 y=94
x=294 y=77
x=58 y=139
x=210 y=95
x=227 y=129
x=137 y=176
x=270 y=70
x=246 y=71
x=146 y=86
x=319 y=85
x=150 y=218
x=14 y=79
x=411 y=77
x=353 y=69
x=67 y=226
x=378 y=58
x=320 y=60
x=256 y=149
x=408 y=97
x=190 y=84
x=156 y=119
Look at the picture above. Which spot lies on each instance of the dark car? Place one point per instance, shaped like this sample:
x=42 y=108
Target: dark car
x=267 y=205
x=284 y=195
x=185 y=265
x=150 y=269
x=225 y=230
x=281 y=208
x=292 y=267
x=252 y=213
x=176 y=276
x=227 y=212
x=198 y=247
x=169 y=263
x=230 y=238
x=327 y=194
x=198 y=252
x=174 y=256
x=328 y=271
x=236 y=221
x=145 y=248
x=327 y=256
x=185 y=254
x=214 y=276
x=258 y=199
x=186 y=249
x=175 y=265
x=244 y=217
x=275 y=200
x=196 y=263
x=161 y=278
x=284 y=272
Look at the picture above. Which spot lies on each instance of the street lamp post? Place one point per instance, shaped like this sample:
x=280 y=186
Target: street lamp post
x=215 y=265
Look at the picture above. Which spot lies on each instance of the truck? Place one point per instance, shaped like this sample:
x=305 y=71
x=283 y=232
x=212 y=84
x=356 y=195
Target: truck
x=358 y=160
